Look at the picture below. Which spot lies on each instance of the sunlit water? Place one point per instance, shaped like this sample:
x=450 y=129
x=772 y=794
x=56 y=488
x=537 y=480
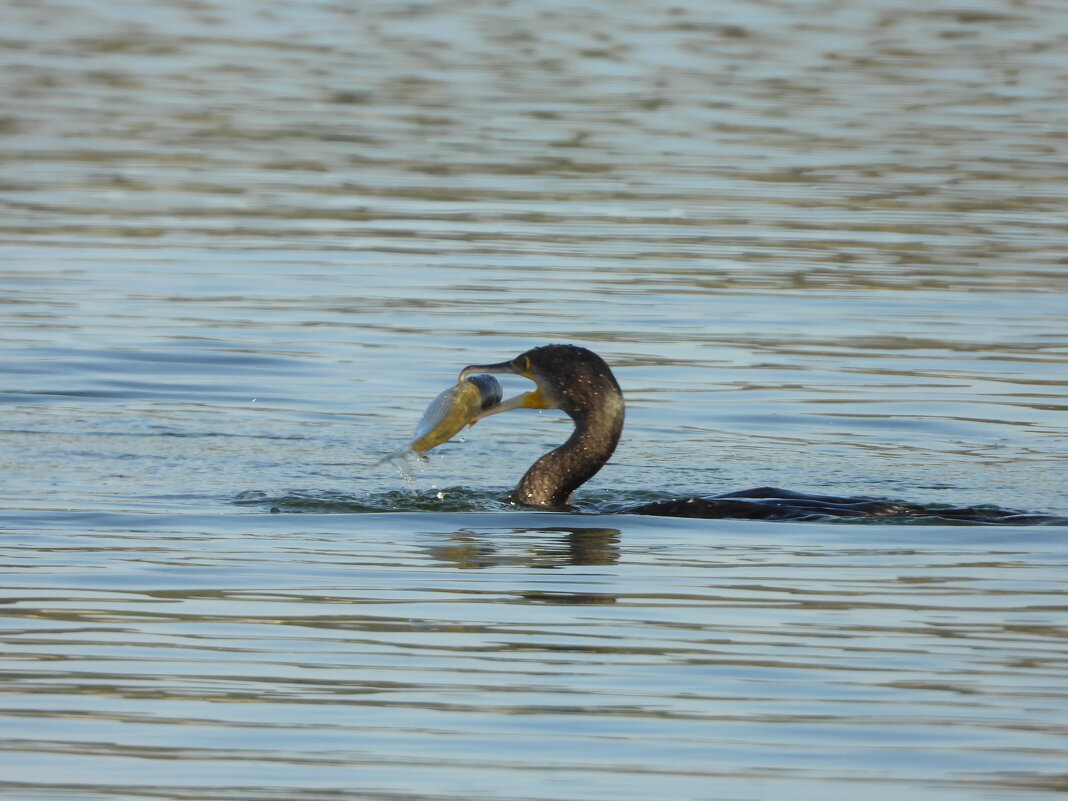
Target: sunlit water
x=242 y=245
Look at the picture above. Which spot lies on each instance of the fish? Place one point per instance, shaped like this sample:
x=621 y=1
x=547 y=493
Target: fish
x=449 y=412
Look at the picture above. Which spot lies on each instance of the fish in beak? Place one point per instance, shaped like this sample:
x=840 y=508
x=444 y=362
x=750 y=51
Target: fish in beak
x=535 y=399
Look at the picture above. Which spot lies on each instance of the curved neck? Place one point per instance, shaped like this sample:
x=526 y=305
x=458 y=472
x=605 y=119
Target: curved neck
x=551 y=480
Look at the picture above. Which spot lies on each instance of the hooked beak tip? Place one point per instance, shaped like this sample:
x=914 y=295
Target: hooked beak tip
x=501 y=367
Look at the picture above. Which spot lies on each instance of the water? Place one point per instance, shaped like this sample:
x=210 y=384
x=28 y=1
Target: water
x=244 y=244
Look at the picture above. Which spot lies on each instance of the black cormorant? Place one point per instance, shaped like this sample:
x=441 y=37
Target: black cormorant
x=579 y=382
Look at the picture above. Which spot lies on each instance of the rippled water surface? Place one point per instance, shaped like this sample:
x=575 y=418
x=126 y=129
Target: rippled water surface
x=242 y=245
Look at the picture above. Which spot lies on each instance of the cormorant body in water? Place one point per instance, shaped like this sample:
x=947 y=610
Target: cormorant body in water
x=579 y=382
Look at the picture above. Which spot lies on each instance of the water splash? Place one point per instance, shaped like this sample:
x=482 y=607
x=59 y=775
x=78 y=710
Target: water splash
x=399 y=459
x=451 y=499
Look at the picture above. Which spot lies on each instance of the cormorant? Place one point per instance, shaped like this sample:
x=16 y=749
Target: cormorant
x=579 y=382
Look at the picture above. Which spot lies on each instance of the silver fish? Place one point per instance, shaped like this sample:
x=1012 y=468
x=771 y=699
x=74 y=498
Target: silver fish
x=450 y=411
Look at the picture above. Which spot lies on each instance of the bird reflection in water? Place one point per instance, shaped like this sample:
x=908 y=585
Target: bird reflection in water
x=546 y=548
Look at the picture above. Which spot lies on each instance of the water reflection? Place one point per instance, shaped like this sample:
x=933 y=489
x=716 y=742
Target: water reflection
x=437 y=650
x=541 y=548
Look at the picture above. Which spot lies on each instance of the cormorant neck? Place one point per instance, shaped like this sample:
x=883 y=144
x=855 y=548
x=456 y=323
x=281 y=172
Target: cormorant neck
x=551 y=481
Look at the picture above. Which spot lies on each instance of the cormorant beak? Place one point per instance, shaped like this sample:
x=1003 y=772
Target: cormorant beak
x=526 y=400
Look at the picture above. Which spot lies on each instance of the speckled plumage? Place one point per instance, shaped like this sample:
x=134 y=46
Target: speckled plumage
x=578 y=382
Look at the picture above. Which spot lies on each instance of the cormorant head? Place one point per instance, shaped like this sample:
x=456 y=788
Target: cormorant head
x=566 y=377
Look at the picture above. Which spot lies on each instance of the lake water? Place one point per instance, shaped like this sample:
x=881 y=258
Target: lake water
x=243 y=244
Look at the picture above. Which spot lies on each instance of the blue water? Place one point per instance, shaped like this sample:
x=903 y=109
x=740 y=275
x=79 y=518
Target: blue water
x=244 y=244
